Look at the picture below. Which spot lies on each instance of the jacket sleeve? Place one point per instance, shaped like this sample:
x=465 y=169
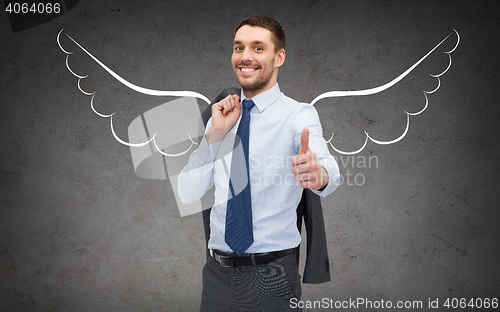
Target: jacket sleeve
x=317 y=267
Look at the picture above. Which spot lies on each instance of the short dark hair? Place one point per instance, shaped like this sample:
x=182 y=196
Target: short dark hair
x=269 y=23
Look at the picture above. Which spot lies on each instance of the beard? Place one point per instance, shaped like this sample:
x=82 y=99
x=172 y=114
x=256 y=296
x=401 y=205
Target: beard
x=257 y=83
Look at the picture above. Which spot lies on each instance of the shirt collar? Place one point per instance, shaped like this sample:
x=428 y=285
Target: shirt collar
x=265 y=99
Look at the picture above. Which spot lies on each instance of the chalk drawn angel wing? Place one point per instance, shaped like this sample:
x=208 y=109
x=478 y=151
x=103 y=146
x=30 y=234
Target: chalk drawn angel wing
x=153 y=138
x=152 y=135
x=386 y=86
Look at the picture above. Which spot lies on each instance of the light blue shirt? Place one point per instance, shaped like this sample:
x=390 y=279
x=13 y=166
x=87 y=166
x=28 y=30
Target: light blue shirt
x=276 y=124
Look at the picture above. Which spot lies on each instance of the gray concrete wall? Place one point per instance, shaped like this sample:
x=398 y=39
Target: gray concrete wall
x=80 y=231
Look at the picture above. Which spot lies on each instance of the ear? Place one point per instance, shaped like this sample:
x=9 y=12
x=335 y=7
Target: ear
x=280 y=58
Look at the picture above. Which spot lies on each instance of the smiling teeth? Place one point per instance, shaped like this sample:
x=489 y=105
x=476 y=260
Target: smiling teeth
x=248 y=69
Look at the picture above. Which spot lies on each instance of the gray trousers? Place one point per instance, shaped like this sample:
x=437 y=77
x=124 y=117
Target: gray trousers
x=262 y=287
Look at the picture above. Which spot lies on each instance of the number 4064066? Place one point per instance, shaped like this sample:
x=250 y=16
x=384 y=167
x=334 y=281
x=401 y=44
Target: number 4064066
x=24 y=8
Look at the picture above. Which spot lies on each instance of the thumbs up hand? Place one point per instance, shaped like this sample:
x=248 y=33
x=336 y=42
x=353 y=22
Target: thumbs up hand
x=306 y=167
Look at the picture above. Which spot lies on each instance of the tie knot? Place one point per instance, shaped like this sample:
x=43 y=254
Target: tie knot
x=248 y=104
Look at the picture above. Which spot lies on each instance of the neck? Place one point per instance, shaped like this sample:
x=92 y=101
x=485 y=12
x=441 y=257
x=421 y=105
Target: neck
x=251 y=93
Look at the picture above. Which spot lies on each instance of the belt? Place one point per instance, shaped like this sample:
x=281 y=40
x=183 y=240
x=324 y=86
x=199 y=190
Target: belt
x=257 y=258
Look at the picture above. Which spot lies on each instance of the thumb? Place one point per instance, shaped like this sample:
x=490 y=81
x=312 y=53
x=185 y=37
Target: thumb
x=304 y=141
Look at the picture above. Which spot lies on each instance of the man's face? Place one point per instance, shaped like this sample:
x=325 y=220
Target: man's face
x=255 y=61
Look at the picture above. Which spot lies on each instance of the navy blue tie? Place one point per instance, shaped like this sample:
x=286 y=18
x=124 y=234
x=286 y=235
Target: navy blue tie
x=239 y=231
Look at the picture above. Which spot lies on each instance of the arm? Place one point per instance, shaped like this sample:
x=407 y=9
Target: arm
x=313 y=166
x=197 y=176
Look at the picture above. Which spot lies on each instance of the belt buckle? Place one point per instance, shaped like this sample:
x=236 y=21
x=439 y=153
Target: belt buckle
x=221 y=257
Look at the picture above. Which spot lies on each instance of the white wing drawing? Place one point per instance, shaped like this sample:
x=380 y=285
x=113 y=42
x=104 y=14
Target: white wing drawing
x=136 y=88
x=387 y=86
x=150 y=130
x=330 y=94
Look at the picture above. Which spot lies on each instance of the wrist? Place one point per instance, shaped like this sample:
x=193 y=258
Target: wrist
x=324 y=179
x=214 y=136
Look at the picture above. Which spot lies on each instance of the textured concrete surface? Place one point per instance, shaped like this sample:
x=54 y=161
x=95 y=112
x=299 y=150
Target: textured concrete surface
x=80 y=231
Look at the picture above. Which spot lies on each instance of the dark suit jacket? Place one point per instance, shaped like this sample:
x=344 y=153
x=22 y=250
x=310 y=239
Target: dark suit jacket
x=317 y=267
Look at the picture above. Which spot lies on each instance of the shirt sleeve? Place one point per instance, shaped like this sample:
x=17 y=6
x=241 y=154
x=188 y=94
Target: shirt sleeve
x=307 y=117
x=197 y=176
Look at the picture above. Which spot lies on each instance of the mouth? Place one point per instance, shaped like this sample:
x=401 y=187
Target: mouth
x=247 y=70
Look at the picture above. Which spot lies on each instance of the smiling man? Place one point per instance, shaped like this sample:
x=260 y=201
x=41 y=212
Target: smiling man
x=260 y=150
x=256 y=58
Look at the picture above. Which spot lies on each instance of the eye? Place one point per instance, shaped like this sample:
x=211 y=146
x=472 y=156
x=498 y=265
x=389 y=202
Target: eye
x=258 y=49
x=238 y=48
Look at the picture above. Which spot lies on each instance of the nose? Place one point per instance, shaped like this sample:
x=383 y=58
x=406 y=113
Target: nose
x=247 y=56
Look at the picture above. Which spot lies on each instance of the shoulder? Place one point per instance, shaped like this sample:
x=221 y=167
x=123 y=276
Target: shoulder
x=299 y=115
x=299 y=108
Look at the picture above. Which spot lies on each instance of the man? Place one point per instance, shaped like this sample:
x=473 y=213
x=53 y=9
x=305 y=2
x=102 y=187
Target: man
x=260 y=150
